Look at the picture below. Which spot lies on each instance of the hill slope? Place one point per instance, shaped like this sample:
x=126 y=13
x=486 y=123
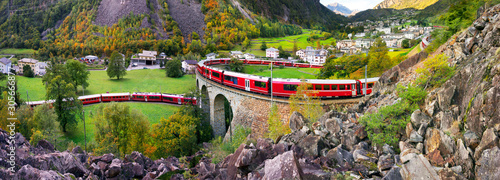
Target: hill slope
x=403 y=4
x=305 y=13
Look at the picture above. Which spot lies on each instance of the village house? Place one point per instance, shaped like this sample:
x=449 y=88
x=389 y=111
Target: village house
x=236 y=54
x=211 y=56
x=90 y=59
x=40 y=69
x=364 y=43
x=345 y=44
x=249 y=56
x=32 y=63
x=272 y=52
x=5 y=65
x=312 y=55
x=189 y=66
x=145 y=58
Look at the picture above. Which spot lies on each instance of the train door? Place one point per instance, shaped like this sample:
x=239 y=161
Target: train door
x=353 y=89
x=247 y=84
x=146 y=98
x=179 y=101
x=358 y=87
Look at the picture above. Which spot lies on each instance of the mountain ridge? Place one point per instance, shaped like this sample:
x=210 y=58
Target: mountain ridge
x=403 y=4
x=341 y=9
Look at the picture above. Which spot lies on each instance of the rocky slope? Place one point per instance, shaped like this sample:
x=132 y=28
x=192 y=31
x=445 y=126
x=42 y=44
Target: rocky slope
x=403 y=4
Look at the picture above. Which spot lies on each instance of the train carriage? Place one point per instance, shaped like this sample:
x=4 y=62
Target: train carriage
x=215 y=74
x=147 y=97
x=333 y=88
x=285 y=87
x=188 y=100
x=33 y=104
x=361 y=84
x=108 y=97
x=172 y=98
x=90 y=99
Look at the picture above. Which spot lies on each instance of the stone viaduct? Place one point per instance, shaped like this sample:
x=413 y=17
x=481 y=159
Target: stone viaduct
x=248 y=109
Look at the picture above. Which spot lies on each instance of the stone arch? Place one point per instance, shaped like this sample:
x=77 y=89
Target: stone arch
x=223 y=113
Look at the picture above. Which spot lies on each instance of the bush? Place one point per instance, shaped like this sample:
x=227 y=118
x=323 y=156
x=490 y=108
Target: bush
x=412 y=94
x=276 y=128
x=387 y=125
x=282 y=67
x=37 y=136
x=435 y=71
x=221 y=149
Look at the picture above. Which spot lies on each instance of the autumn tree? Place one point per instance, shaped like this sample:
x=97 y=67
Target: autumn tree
x=379 y=60
x=78 y=73
x=116 y=66
x=175 y=136
x=59 y=87
x=295 y=48
x=247 y=43
x=45 y=121
x=306 y=102
x=25 y=115
x=276 y=127
x=318 y=45
x=120 y=129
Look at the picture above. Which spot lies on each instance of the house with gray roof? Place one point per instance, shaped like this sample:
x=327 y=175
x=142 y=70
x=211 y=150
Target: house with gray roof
x=5 y=65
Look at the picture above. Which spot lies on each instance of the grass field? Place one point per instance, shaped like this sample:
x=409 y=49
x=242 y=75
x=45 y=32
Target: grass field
x=154 y=112
x=144 y=80
x=16 y=51
x=285 y=42
x=307 y=73
x=398 y=52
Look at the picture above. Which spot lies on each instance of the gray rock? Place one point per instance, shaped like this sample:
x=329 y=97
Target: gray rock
x=417 y=167
x=29 y=172
x=246 y=157
x=385 y=162
x=418 y=117
x=386 y=149
x=489 y=140
x=77 y=150
x=420 y=147
x=342 y=157
x=471 y=139
x=313 y=145
x=296 y=121
x=114 y=169
x=422 y=128
x=107 y=157
x=488 y=165
x=333 y=125
x=393 y=174
x=464 y=158
x=360 y=155
x=448 y=173
x=313 y=171
x=284 y=166
x=446 y=120
x=46 y=145
x=415 y=137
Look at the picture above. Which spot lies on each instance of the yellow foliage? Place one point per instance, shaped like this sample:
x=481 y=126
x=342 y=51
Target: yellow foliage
x=306 y=102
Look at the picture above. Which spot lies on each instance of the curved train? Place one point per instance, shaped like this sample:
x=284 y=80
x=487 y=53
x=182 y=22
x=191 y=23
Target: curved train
x=282 y=87
x=136 y=96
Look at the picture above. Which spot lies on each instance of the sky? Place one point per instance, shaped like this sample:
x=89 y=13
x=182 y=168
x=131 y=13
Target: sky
x=354 y=4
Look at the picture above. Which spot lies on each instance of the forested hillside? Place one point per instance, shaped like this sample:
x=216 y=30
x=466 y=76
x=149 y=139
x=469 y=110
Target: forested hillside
x=403 y=4
x=306 y=13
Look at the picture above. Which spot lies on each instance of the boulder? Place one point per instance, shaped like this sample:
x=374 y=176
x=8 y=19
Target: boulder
x=295 y=137
x=489 y=140
x=446 y=120
x=445 y=97
x=139 y=158
x=77 y=150
x=297 y=121
x=393 y=174
x=114 y=169
x=422 y=128
x=245 y=157
x=449 y=174
x=360 y=132
x=435 y=158
x=408 y=129
x=29 y=172
x=63 y=162
x=333 y=125
x=46 y=145
x=313 y=145
x=487 y=167
x=348 y=139
x=386 y=149
x=464 y=158
x=107 y=158
x=284 y=166
x=312 y=170
x=471 y=139
x=385 y=162
x=437 y=139
x=418 y=117
x=340 y=156
x=415 y=137
x=417 y=167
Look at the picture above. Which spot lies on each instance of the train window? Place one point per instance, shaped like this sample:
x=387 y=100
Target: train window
x=216 y=74
x=168 y=98
x=187 y=100
x=232 y=79
x=341 y=87
x=326 y=87
x=348 y=87
x=260 y=84
x=310 y=87
x=370 y=85
x=154 y=97
x=290 y=87
x=206 y=71
x=140 y=97
x=317 y=87
x=352 y=86
x=334 y=87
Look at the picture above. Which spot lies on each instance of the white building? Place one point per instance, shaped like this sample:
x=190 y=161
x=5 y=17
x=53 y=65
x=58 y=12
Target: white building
x=312 y=55
x=409 y=35
x=211 y=56
x=145 y=58
x=40 y=68
x=237 y=54
x=272 y=52
x=5 y=65
x=189 y=66
x=364 y=43
x=345 y=44
x=249 y=56
x=391 y=42
x=386 y=30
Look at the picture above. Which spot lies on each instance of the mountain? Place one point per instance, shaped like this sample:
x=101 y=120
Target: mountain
x=403 y=4
x=305 y=13
x=341 y=9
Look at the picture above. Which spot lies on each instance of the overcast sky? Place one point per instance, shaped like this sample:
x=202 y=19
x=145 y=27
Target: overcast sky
x=354 y=4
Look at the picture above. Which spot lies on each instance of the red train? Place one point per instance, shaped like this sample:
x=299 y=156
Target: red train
x=282 y=87
x=118 y=97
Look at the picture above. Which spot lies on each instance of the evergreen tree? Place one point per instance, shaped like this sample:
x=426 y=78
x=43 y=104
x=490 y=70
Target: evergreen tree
x=263 y=46
x=116 y=66
x=27 y=71
x=236 y=65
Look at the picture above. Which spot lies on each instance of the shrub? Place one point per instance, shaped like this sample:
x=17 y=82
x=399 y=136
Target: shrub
x=221 y=149
x=435 y=71
x=412 y=94
x=282 y=67
x=385 y=125
x=276 y=128
x=37 y=136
